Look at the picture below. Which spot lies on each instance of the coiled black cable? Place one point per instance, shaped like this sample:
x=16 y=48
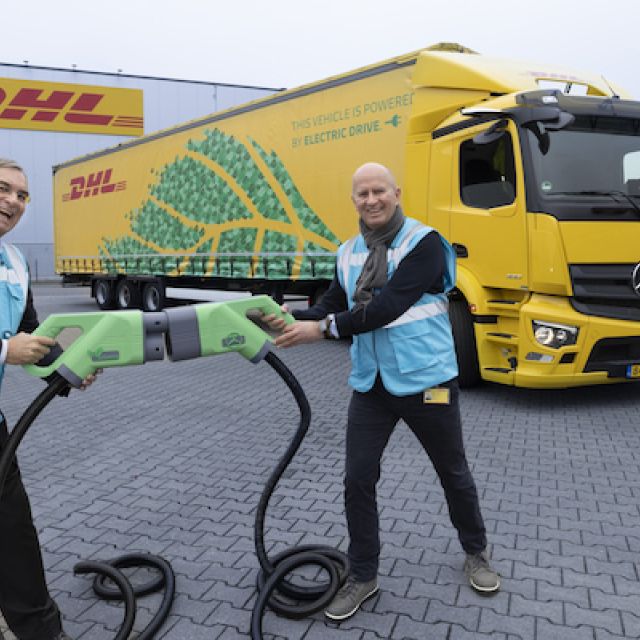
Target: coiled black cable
x=124 y=589
x=274 y=590
x=300 y=601
x=111 y=568
x=128 y=593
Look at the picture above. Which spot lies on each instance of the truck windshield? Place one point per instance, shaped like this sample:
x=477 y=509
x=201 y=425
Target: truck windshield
x=591 y=169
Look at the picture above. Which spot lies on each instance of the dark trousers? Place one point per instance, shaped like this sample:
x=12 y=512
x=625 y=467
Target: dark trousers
x=24 y=599
x=372 y=417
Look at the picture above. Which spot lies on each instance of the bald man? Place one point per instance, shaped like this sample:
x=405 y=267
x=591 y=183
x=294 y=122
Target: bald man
x=390 y=295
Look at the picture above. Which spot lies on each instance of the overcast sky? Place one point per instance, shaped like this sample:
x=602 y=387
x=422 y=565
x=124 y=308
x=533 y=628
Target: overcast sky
x=286 y=43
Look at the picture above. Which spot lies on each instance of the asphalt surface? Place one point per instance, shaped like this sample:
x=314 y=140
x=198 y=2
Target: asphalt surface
x=171 y=458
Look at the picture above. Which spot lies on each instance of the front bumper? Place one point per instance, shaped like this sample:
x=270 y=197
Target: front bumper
x=603 y=353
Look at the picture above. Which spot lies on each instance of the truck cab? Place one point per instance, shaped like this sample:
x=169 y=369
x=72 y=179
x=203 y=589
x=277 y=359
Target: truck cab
x=539 y=193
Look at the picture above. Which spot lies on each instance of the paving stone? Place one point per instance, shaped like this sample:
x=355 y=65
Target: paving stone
x=558 y=476
x=409 y=629
x=550 y=631
x=609 y=619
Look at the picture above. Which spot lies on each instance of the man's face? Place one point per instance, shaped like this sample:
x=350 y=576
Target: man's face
x=14 y=195
x=375 y=196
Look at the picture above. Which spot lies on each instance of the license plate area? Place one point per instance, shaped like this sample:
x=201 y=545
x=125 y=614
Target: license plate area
x=633 y=371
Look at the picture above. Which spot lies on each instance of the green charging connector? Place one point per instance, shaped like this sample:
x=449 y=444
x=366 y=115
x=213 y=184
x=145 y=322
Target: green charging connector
x=113 y=339
x=221 y=327
x=121 y=338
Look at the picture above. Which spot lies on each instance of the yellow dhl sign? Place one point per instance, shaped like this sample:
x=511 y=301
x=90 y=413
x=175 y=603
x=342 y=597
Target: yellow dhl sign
x=55 y=106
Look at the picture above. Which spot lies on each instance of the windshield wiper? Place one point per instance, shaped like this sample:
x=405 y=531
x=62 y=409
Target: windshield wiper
x=615 y=195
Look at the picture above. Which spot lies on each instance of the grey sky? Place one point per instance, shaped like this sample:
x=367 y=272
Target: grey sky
x=286 y=43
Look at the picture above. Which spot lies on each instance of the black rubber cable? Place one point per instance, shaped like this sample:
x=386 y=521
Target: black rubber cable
x=165 y=580
x=272 y=577
x=298 y=602
x=125 y=588
x=54 y=387
x=110 y=568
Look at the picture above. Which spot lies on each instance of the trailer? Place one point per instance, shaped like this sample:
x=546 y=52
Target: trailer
x=531 y=171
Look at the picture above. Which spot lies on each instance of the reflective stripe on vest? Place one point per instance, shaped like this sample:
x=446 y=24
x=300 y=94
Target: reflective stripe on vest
x=349 y=259
x=18 y=273
x=14 y=276
x=420 y=312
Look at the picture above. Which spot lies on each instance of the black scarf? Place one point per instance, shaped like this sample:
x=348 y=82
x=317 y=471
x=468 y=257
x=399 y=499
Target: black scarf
x=374 y=271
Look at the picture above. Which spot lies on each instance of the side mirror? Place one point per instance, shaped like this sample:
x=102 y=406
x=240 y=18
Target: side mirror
x=540 y=132
x=493 y=133
x=563 y=120
x=540 y=128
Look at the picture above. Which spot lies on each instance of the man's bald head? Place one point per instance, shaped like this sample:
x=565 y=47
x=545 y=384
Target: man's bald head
x=374 y=169
x=375 y=194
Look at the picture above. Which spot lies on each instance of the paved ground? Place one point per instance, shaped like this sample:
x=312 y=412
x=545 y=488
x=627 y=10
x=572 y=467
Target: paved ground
x=171 y=458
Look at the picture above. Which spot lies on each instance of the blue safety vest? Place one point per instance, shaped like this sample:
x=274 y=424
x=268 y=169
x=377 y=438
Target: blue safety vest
x=14 y=284
x=416 y=350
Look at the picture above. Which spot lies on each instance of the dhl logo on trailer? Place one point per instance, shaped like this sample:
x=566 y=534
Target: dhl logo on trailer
x=56 y=106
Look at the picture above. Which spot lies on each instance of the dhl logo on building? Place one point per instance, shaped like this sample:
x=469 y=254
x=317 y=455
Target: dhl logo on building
x=92 y=185
x=55 y=106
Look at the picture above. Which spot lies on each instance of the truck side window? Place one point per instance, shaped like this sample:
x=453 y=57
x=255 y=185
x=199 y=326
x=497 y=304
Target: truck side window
x=487 y=173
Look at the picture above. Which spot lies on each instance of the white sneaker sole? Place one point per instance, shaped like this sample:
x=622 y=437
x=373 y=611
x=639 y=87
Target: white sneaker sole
x=344 y=616
x=485 y=590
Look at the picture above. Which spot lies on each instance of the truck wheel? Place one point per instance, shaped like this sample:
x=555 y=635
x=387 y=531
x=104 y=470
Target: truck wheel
x=153 y=296
x=127 y=295
x=465 y=342
x=105 y=294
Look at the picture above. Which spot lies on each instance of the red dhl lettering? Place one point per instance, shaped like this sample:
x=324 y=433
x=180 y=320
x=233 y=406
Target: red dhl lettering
x=74 y=108
x=92 y=185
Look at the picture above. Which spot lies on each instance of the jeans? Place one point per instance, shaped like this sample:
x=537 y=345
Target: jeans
x=372 y=417
x=25 y=602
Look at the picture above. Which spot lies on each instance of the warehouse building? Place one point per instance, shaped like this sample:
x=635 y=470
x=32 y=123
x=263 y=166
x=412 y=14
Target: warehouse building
x=51 y=115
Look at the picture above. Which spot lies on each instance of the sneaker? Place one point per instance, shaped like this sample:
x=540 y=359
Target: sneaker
x=481 y=576
x=62 y=636
x=348 y=599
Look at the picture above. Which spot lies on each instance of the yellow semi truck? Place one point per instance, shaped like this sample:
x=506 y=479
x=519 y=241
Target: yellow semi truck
x=532 y=172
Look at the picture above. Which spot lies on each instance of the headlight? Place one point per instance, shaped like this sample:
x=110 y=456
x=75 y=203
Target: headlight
x=554 y=335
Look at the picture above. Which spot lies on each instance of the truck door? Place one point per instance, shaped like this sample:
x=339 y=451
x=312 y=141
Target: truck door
x=487 y=223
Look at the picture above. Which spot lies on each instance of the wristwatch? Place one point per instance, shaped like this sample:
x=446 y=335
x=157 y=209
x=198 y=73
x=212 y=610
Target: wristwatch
x=325 y=326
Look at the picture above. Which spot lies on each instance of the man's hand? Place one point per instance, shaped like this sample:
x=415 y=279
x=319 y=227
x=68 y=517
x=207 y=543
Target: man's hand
x=274 y=322
x=24 y=348
x=90 y=379
x=300 y=332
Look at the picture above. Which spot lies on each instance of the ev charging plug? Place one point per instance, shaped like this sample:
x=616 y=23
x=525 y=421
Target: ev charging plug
x=220 y=327
x=112 y=339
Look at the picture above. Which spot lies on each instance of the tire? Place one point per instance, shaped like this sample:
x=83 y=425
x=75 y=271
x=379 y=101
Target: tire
x=153 y=296
x=105 y=294
x=465 y=341
x=127 y=295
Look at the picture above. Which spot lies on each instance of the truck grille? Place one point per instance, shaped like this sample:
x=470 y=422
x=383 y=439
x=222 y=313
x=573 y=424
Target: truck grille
x=614 y=355
x=605 y=290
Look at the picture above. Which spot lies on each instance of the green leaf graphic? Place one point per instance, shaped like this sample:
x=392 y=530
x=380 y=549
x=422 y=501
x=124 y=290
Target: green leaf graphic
x=198 y=194
x=305 y=213
x=194 y=189
x=234 y=158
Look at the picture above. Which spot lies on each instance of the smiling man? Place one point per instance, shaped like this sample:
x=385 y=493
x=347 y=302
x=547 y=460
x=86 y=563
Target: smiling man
x=390 y=294
x=25 y=602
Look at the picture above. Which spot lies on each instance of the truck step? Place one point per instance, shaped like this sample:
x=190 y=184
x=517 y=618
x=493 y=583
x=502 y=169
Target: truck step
x=510 y=306
x=502 y=338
